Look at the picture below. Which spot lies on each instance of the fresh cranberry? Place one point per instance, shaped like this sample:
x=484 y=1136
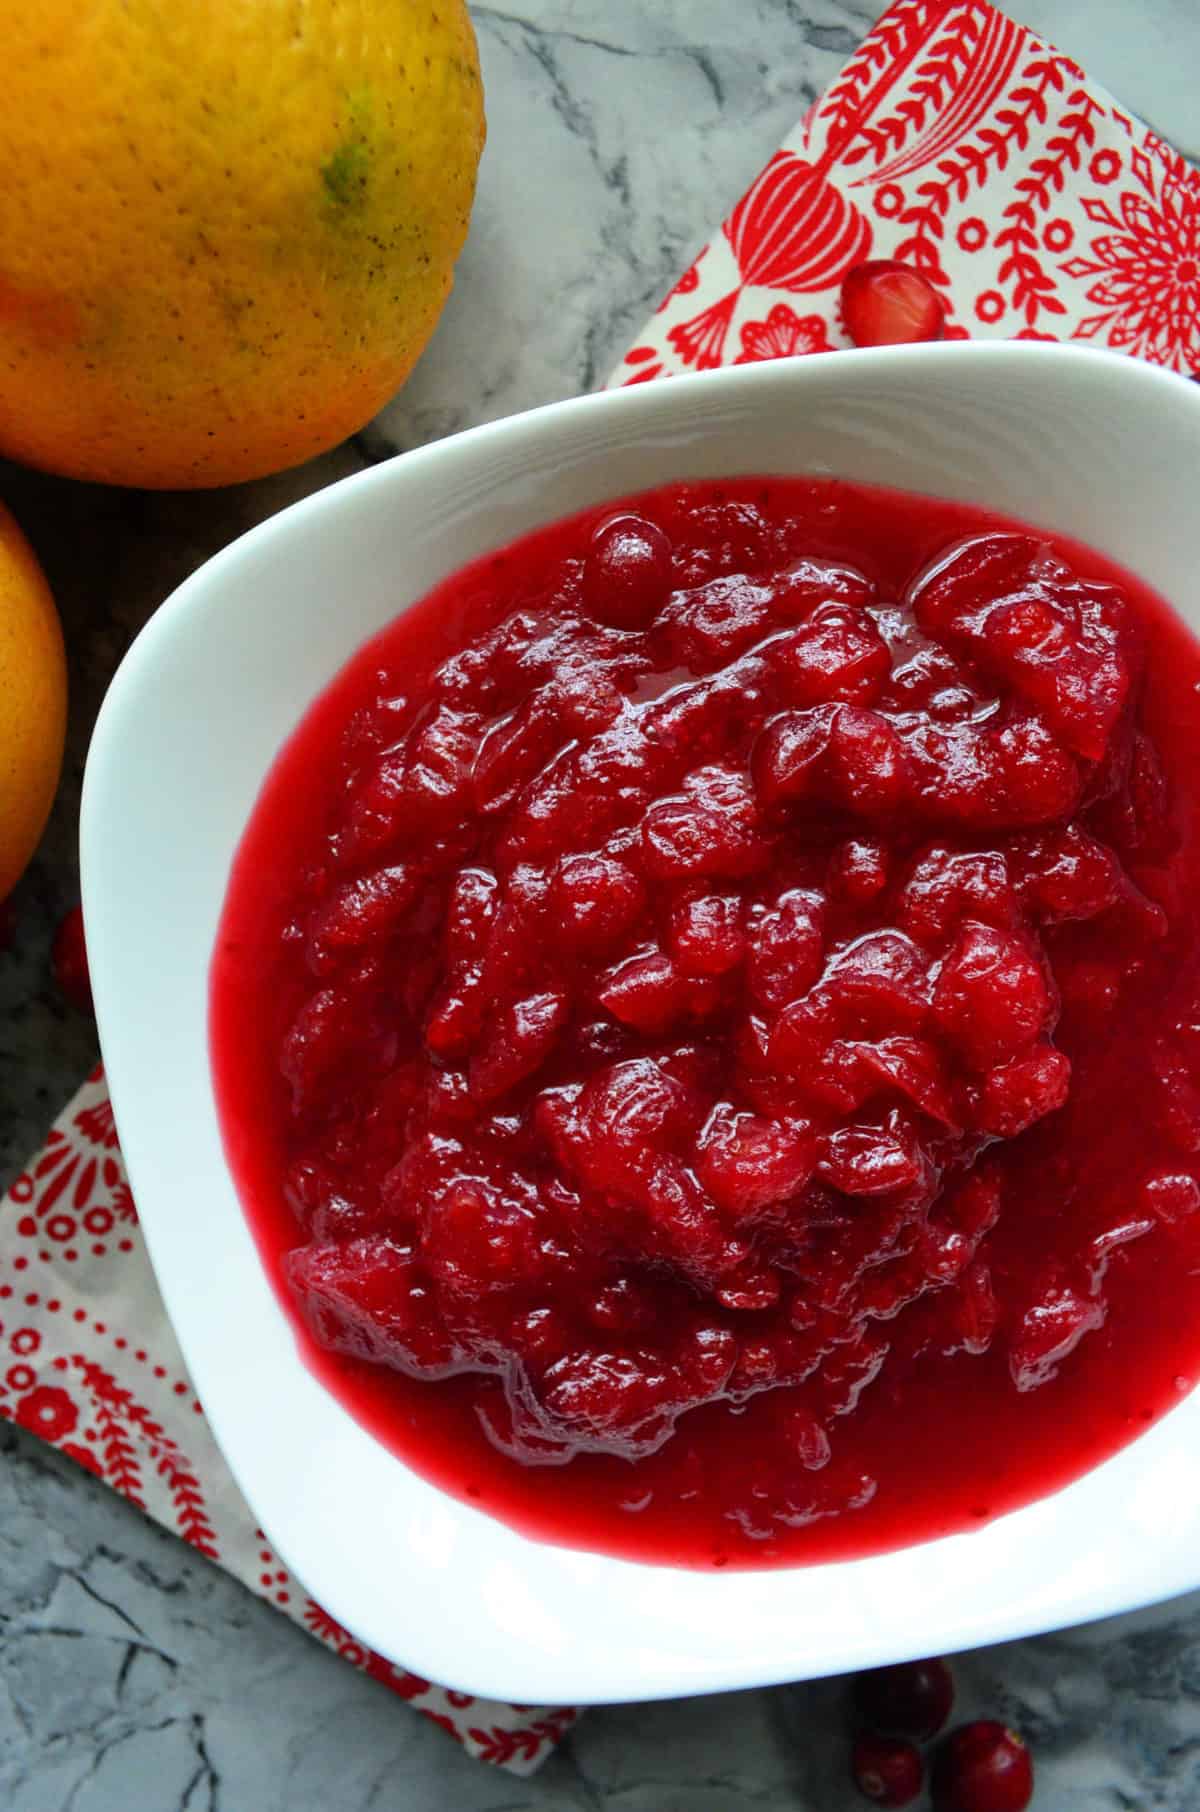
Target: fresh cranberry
x=889 y=304
x=887 y=1770
x=627 y=571
x=69 y=962
x=912 y=1699
x=982 y=1767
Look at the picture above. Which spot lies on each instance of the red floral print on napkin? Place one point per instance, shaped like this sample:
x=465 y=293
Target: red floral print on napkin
x=962 y=144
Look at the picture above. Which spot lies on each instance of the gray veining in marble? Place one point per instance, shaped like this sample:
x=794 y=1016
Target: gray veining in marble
x=135 y=1677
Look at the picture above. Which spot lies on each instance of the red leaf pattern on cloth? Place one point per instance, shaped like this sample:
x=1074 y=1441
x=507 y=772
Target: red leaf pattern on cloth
x=958 y=142
x=88 y=1362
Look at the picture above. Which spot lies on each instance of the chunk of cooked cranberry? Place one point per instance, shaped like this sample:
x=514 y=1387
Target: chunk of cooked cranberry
x=1035 y=779
x=992 y=999
x=321 y=1036
x=946 y=886
x=788 y=761
x=329 y=1206
x=1055 y=639
x=955 y=773
x=750 y=1288
x=470 y=914
x=974 y=1313
x=460 y=1005
x=474 y=1242
x=645 y=991
x=838 y=754
x=511 y=752
x=858 y=871
x=629 y=1108
x=748 y=1163
x=845 y=1376
x=1067 y=874
x=611 y=1402
x=1023 y=1091
x=578 y=799
x=360 y=911
x=867 y=762
x=728 y=536
x=911 y=1068
x=436 y=775
x=701 y=720
x=367 y=1298
x=1052 y=1327
x=1133 y=809
x=712 y=829
x=973 y=1204
x=706 y=626
x=456 y=1016
x=513 y=964
x=706 y=935
x=879 y=982
x=786 y=948
x=584 y=694
x=628 y=1402
x=875 y=1159
x=627 y=571
x=448 y=1098
x=516 y=1042
x=661 y=1212
x=806 y=585
x=838 y=654
x=594 y=900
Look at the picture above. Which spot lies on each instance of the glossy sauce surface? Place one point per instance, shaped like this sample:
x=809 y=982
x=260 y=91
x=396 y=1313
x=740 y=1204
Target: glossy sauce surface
x=704 y=1023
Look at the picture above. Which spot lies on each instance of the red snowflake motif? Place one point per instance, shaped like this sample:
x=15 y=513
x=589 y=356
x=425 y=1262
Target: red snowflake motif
x=1147 y=264
x=47 y=1411
x=783 y=335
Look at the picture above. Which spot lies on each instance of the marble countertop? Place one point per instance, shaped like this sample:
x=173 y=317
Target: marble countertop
x=135 y=1677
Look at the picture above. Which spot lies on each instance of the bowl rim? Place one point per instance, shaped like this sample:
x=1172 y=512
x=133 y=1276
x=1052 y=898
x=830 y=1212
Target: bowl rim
x=440 y=1653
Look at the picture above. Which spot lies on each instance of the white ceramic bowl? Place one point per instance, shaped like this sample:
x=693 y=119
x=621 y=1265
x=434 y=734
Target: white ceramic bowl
x=1093 y=445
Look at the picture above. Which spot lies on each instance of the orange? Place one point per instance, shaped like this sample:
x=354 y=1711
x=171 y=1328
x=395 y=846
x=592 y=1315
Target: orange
x=227 y=227
x=33 y=702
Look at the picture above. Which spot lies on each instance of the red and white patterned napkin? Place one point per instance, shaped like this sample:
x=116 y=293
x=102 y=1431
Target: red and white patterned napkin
x=958 y=142
x=954 y=140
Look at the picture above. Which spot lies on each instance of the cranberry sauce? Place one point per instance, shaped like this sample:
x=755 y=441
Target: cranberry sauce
x=706 y=1024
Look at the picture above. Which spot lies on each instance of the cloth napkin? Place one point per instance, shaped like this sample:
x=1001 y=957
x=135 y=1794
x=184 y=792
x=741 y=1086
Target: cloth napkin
x=954 y=140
